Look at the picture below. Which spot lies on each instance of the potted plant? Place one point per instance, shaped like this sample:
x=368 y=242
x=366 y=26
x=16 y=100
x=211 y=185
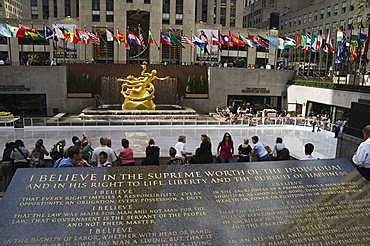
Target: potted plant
x=79 y=86
x=196 y=87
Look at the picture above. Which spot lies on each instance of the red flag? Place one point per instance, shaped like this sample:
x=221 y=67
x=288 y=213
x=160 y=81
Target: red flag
x=122 y=38
x=237 y=41
x=214 y=40
x=225 y=39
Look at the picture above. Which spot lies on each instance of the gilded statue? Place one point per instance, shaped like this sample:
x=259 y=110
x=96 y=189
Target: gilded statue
x=139 y=92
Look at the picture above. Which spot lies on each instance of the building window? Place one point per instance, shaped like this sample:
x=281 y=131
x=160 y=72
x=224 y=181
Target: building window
x=55 y=9
x=204 y=10
x=316 y=15
x=96 y=10
x=129 y=1
x=336 y=9
x=299 y=21
x=146 y=1
x=77 y=8
x=166 y=12
x=34 y=9
x=328 y=12
x=95 y=5
x=322 y=14
x=344 y=6
x=309 y=17
x=352 y=7
x=304 y=19
x=96 y=18
x=349 y=24
x=45 y=9
x=232 y=13
x=109 y=11
x=67 y=8
x=223 y=13
x=179 y=12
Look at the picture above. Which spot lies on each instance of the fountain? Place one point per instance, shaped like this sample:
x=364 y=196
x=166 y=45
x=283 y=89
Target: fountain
x=138 y=93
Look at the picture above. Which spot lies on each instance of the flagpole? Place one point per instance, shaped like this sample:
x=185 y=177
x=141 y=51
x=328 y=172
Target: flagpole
x=22 y=48
x=85 y=44
x=328 y=41
x=33 y=42
x=106 y=47
x=118 y=45
x=349 y=62
x=56 y=45
x=335 y=52
x=228 y=50
x=43 y=27
x=10 y=47
x=304 y=56
x=191 y=54
x=315 y=55
x=238 y=45
x=138 y=48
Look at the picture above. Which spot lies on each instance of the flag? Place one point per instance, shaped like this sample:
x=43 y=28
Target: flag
x=288 y=42
x=185 y=40
x=59 y=34
x=74 y=38
x=302 y=41
x=151 y=40
x=276 y=43
x=197 y=41
x=225 y=39
x=316 y=43
x=215 y=40
x=253 y=39
x=247 y=41
x=339 y=35
x=94 y=38
x=123 y=39
x=132 y=38
x=328 y=47
x=4 y=32
x=49 y=34
x=175 y=41
x=15 y=31
x=362 y=32
x=141 y=38
x=263 y=41
x=110 y=36
x=102 y=41
x=366 y=46
x=83 y=36
x=236 y=41
x=31 y=32
x=165 y=39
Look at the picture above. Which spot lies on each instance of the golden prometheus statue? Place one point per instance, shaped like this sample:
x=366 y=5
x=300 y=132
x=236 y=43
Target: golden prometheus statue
x=139 y=92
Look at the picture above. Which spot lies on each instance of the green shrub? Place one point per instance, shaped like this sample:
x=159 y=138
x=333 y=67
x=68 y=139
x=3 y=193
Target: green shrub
x=196 y=85
x=330 y=85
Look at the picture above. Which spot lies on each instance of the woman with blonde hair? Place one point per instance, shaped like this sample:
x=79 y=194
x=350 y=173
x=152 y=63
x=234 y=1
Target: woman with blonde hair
x=204 y=152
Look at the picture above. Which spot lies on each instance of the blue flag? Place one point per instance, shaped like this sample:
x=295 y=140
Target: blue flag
x=4 y=32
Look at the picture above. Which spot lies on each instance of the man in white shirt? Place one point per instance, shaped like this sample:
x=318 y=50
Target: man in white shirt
x=308 y=149
x=362 y=156
x=180 y=148
x=103 y=147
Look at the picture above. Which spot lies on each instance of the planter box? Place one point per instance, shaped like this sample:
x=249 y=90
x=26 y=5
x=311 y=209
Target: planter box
x=196 y=96
x=81 y=94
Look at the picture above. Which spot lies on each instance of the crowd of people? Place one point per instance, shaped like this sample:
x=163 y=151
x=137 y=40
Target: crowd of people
x=81 y=153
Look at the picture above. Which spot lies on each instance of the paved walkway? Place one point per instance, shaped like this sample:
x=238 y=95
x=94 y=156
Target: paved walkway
x=166 y=136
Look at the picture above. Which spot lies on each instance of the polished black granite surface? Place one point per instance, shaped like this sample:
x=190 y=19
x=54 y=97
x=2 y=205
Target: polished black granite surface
x=319 y=202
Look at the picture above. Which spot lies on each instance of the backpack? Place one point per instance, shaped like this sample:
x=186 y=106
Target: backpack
x=35 y=159
x=56 y=151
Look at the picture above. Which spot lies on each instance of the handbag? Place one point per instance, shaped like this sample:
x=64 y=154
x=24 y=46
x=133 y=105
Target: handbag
x=25 y=157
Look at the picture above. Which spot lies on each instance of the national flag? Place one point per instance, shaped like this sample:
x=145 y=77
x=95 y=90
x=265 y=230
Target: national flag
x=225 y=39
x=175 y=41
x=247 y=41
x=123 y=39
x=276 y=43
x=59 y=33
x=339 y=35
x=83 y=36
x=110 y=36
x=141 y=38
x=362 y=32
x=288 y=42
x=15 y=31
x=102 y=41
x=197 y=41
x=185 y=40
x=236 y=41
x=31 y=32
x=328 y=47
x=253 y=39
x=94 y=38
x=151 y=40
x=74 y=37
x=4 y=32
x=301 y=41
x=316 y=43
x=49 y=34
x=308 y=41
x=263 y=41
x=215 y=40
x=366 y=46
x=132 y=38
x=165 y=39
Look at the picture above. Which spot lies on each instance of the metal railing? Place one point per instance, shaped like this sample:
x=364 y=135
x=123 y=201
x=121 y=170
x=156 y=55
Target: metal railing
x=172 y=120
